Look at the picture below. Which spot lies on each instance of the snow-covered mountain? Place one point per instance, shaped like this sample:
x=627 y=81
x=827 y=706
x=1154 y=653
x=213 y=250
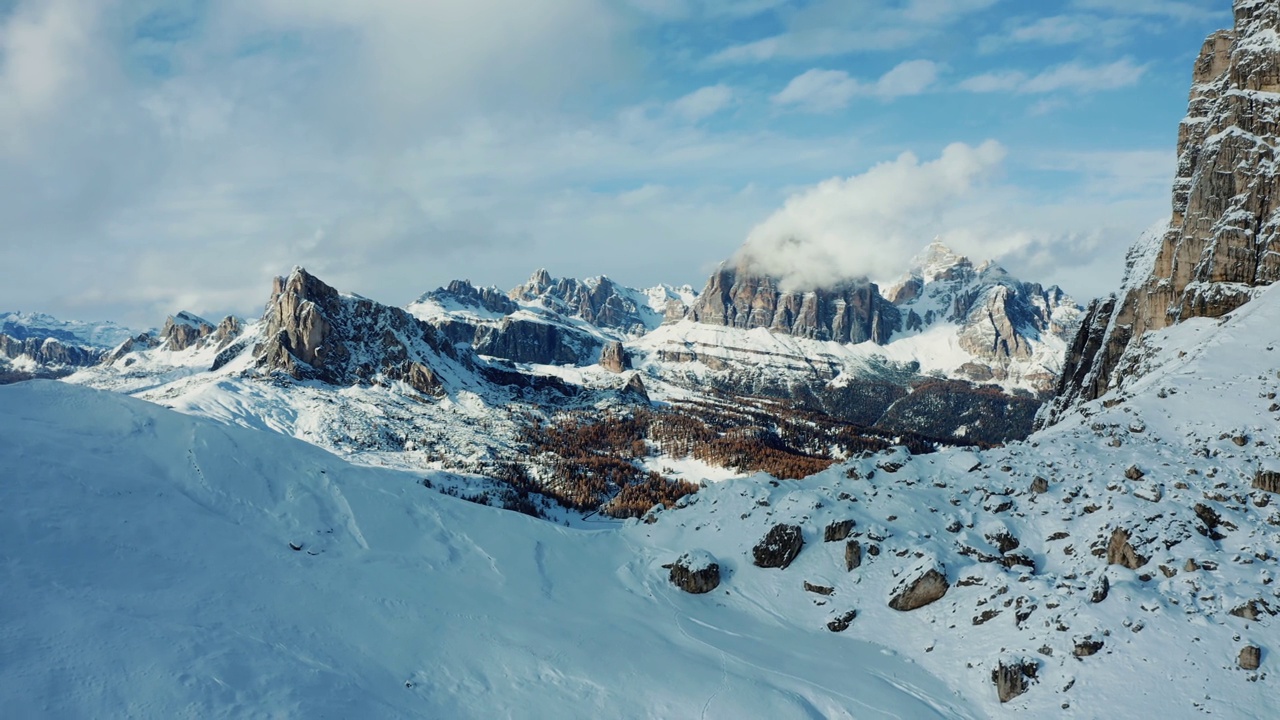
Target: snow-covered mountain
x=855 y=353
x=39 y=345
x=1119 y=562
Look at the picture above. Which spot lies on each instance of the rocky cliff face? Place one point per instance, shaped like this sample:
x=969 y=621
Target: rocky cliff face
x=311 y=331
x=853 y=312
x=599 y=301
x=1222 y=241
x=48 y=352
x=185 y=330
x=462 y=293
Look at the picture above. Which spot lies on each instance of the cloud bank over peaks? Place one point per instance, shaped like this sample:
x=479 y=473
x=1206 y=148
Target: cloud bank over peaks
x=870 y=225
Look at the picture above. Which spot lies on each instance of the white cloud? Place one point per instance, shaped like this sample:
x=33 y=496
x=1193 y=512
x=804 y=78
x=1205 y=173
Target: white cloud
x=909 y=78
x=1067 y=29
x=836 y=27
x=703 y=102
x=1173 y=9
x=820 y=90
x=1073 y=77
x=870 y=224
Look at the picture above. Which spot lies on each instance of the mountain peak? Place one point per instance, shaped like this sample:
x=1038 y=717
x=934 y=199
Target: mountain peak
x=936 y=260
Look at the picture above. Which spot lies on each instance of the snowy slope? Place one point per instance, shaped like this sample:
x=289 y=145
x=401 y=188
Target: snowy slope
x=148 y=572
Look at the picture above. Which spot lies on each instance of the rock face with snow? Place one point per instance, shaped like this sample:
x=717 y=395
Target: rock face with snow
x=852 y=312
x=312 y=331
x=526 y=340
x=185 y=330
x=1223 y=240
x=598 y=301
x=39 y=345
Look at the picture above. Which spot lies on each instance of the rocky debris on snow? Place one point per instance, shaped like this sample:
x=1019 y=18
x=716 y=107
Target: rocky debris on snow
x=1250 y=657
x=818 y=589
x=779 y=547
x=852 y=555
x=1087 y=646
x=921 y=585
x=696 y=572
x=837 y=531
x=1151 y=492
x=1099 y=588
x=1134 y=473
x=840 y=623
x=1253 y=609
x=614 y=357
x=1120 y=551
x=1014 y=677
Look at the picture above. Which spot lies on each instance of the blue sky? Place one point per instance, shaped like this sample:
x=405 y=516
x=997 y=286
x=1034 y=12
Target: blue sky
x=170 y=155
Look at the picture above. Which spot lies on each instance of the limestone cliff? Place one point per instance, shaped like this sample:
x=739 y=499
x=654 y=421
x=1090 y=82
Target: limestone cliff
x=1222 y=240
x=852 y=312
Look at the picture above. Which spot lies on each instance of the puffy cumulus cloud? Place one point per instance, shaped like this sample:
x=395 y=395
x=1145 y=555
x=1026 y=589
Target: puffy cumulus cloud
x=820 y=90
x=869 y=225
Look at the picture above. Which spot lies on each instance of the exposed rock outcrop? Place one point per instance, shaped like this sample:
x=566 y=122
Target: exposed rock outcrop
x=1223 y=240
x=779 y=547
x=1120 y=551
x=636 y=389
x=841 y=622
x=614 y=357
x=463 y=294
x=852 y=555
x=1014 y=677
x=1250 y=657
x=185 y=330
x=1267 y=481
x=837 y=531
x=924 y=584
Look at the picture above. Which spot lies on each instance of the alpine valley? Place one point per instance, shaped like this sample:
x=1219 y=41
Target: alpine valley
x=956 y=495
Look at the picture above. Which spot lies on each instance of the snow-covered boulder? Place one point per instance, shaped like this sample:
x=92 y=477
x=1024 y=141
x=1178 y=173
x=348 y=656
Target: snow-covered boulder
x=924 y=583
x=696 y=572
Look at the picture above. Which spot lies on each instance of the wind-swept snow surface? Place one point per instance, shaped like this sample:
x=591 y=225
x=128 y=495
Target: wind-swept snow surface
x=149 y=569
